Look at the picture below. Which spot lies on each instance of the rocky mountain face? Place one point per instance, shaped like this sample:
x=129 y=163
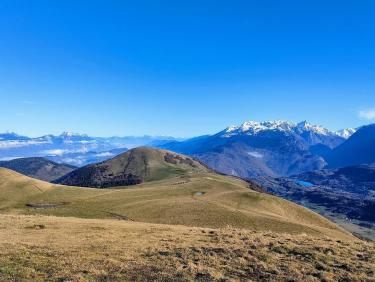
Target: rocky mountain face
x=39 y=168
x=254 y=149
x=136 y=166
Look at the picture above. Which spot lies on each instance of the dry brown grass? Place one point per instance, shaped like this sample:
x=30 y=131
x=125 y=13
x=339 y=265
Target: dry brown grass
x=226 y=201
x=42 y=248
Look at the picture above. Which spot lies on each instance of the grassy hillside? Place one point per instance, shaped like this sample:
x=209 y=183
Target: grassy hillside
x=136 y=166
x=202 y=200
x=40 y=248
x=39 y=168
x=16 y=188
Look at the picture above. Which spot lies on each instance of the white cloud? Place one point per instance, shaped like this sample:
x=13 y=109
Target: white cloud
x=9 y=158
x=104 y=154
x=255 y=155
x=61 y=152
x=55 y=152
x=19 y=143
x=28 y=102
x=367 y=114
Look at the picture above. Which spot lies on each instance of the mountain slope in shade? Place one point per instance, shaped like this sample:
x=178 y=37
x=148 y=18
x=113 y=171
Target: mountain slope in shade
x=136 y=166
x=358 y=149
x=39 y=168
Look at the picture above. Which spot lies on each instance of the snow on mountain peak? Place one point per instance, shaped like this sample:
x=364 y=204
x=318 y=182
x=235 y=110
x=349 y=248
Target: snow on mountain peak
x=251 y=125
x=305 y=126
x=231 y=128
x=254 y=127
x=280 y=125
x=346 y=133
x=72 y=134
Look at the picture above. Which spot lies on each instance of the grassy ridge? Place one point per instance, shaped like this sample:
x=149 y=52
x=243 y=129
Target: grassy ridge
x=225 y=202
x=143 y=164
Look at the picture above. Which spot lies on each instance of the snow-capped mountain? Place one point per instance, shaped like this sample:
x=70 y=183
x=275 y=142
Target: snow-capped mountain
x=346 y=133
x=254 y=127
x=274 y=148
x=311 y=134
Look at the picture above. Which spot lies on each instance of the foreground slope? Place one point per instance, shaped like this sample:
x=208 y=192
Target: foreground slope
x=136 y=166
x=39 y=168
x=40 y=248
x=15 y=188
x=202 y=200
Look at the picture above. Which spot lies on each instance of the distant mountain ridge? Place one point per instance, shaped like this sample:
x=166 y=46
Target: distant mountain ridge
x=39 y=168
x=312 y=134
x=72 y=148
x=273 y=148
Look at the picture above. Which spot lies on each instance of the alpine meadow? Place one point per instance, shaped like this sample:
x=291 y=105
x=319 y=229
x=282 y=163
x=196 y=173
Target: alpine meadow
x=160 y=140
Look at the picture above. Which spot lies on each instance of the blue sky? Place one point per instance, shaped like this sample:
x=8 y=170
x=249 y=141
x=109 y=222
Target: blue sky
x=184 y=68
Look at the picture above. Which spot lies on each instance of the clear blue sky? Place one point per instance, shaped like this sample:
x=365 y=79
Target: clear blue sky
x=184 y=68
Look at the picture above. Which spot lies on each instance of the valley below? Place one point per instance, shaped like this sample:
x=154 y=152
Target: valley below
x=344 y=195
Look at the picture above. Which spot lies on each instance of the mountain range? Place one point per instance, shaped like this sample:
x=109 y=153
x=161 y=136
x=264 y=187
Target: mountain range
x=72 y=148
x=273 y=148
x=271 y=154
x=250 y=150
